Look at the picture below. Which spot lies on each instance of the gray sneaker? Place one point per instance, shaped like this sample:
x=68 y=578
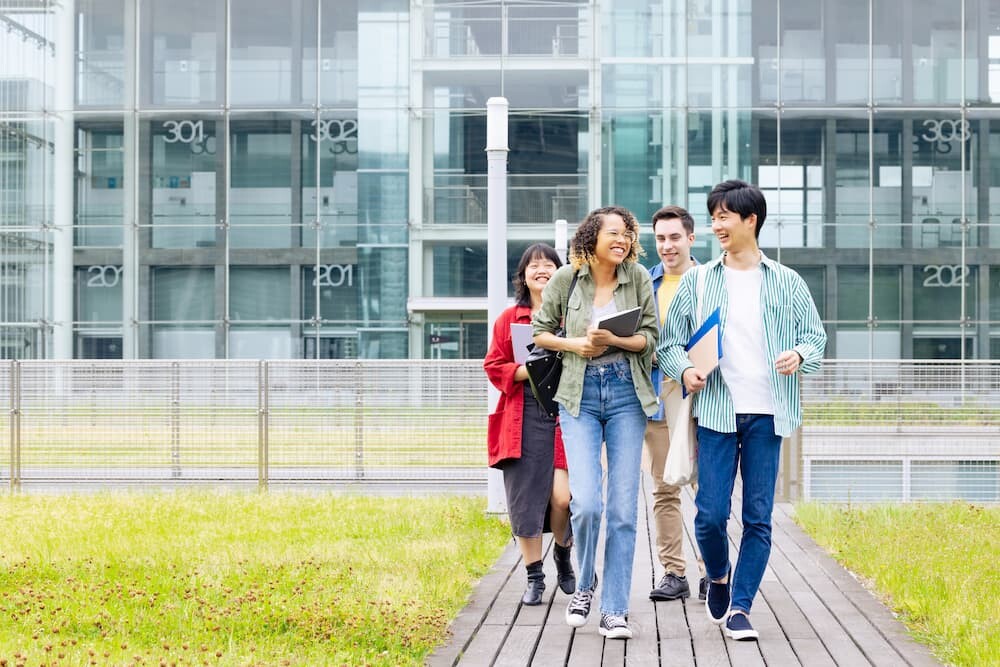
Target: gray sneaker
x=614 y=627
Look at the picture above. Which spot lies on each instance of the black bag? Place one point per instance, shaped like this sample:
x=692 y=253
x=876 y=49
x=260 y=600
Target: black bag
x=545 y=368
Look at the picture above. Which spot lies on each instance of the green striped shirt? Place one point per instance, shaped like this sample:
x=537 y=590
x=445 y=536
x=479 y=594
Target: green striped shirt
x=790 y=322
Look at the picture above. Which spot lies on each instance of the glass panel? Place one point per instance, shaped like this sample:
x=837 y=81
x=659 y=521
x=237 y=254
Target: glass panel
x=336 y=288
x=181 y=46
x=647 y=28
x=180 y=168
x=719 y=145
x=643 y=149
x=887 y=50
x=994 y=291
x=99 y=180
x=803 y=52
x=463 y=31
x=382 y=284
x=848 y=29
x=260 y=191
x=338 y=65
x=918 y=60
x=331 y=145
x=101 y=53
x=184 y=297
x=852 y=182
x=268 y=41
x=99 y=294
x=794 y=189
x=455 y=340
x=855 y=339
x=815 y=277
x=938 y=180
x=383 y=343
x=25 y=268
x=719 y=42
x=259 y=293
x=937 y=292
x=459 y=270
x=889 y=140
x=643 y=86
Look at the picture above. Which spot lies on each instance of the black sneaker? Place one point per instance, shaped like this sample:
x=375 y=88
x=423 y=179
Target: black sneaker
x=671 y=587
x=578 y=608
x=738 y=627
x=717 y=601
x=614 y=627
x=703 y=588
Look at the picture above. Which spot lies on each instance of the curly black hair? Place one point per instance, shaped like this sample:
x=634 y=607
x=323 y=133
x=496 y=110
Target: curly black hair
x=584 y=245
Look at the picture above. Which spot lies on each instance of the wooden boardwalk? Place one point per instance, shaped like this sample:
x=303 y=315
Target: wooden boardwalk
x=809 y=612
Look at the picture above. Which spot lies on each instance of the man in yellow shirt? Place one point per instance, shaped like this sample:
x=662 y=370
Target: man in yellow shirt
x=673 y=229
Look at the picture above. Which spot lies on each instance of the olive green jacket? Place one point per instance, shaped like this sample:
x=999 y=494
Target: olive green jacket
x=634 y=289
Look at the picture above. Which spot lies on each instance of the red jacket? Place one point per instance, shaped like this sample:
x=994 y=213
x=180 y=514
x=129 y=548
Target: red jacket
x=504 y=432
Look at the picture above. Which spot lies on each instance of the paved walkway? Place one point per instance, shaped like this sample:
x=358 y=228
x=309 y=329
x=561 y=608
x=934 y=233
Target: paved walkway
x=809 y=612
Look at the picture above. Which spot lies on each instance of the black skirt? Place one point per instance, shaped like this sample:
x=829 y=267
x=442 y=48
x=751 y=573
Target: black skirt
x=528 y=480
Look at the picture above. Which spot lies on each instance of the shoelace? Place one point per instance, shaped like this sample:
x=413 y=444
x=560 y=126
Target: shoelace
x=612 y=622
x=581 y=601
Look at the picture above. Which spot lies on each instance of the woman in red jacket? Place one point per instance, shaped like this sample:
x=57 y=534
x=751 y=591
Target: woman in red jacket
x=524 y=442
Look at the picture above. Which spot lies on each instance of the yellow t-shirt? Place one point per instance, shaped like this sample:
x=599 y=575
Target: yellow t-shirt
x=664 y=295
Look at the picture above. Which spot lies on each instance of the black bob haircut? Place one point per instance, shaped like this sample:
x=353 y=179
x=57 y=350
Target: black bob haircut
x=536 y=251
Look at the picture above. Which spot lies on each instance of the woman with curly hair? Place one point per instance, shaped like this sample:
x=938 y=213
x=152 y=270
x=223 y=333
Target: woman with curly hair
x=524 y=442
x=604 y=395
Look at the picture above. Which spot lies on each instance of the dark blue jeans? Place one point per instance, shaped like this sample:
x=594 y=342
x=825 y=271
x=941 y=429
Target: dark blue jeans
x=755 y=449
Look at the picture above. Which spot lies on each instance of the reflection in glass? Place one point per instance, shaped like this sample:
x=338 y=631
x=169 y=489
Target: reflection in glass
x=265 y=59
x=258 y=301
x=181 y=50
x=330 y=212
x=857 y=337
x=338 y=63
x=100 y=78
x=260 y=194
x=183 y=306
x=938 y=183
x=182 y=179
x=793 y=188
x=99 y=183
x=852 y=182
x=25 y=261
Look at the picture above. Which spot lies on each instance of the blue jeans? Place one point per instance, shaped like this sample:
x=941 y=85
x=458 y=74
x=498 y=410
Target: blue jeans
x=756 y=449
x=610 y=413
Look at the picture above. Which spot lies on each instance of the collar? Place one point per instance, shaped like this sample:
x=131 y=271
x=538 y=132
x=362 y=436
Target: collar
x=765 y=262
x=522 y=312
x=621 y=272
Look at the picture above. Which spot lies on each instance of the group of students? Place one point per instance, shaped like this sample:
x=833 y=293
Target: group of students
x=616 y=393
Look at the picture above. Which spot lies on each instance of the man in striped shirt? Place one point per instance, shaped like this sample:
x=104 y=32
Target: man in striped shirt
x=770 y=333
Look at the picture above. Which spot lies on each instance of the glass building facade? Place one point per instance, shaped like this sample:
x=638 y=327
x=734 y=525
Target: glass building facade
x=246 y=179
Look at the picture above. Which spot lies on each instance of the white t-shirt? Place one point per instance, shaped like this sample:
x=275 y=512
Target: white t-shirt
x=744 y=358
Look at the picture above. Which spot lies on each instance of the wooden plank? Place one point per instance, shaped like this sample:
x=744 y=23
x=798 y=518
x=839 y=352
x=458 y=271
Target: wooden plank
x=708 y=645
x=643 y=649
x=879 y=635
x=482 y=600
x=587 y=649
x=526 y=629
x=484 y=646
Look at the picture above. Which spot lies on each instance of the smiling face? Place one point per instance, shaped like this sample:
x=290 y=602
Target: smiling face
x=537 y=273
x=673 y=245
x=614 y=240
x=735 y=234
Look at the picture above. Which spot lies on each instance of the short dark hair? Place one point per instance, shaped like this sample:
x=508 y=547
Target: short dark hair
x=583 y=247
x=671 y=212
x=536 y=251
x=739 y=197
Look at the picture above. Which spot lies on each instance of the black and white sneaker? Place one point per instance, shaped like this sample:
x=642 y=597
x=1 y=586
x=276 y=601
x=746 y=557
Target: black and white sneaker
x=578 y=608
x=614 y=627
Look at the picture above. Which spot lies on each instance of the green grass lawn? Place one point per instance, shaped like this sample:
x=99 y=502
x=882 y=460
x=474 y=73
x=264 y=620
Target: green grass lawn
x=936 y=565
x=235 y=578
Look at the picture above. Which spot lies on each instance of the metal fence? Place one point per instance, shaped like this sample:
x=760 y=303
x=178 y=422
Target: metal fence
x=886 y=430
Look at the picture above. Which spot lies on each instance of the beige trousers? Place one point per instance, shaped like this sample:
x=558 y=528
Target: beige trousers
x=666 y=498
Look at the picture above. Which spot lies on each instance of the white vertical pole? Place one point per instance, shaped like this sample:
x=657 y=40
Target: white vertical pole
x=62 y=183
x=561 y=239
x=496 y=256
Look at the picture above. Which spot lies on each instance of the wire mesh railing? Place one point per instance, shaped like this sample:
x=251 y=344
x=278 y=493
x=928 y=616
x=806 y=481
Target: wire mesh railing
x=873 y=430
